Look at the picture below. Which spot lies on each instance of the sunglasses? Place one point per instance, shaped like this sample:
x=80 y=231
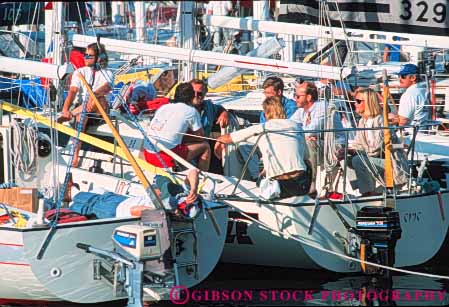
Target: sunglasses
x=403 y=76
x=297 y=96
x=88 y=56
x=359 y=101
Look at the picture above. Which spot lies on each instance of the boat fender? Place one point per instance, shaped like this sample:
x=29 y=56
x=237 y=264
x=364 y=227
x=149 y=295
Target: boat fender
x=65 y=216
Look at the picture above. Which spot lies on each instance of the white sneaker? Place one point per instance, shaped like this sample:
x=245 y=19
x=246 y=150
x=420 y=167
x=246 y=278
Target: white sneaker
x=193 y=212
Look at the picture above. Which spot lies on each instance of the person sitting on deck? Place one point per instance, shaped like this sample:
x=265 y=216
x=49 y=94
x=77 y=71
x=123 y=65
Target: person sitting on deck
x=282 y=146
x=368 y=161
x=141 y=98
x=212 y=115
x=98 y=78
x=312 y=114
x=181 y=199
x=413 y=105
x=272 y=87
x=168 y=126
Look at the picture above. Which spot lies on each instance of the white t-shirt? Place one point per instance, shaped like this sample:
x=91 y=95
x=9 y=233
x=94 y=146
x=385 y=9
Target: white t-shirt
x=169 y=122
x=282 y=150
x=103 y=76
x=412 y=104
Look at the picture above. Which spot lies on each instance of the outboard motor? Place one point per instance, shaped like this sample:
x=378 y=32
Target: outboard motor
x=142 y=259
x=379 y=229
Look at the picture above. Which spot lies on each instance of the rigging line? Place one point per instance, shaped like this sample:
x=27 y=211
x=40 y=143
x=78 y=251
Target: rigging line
x=81 y=19
x=18 y=12
x=90 y=18
x=336 y=51
x=300 y=240
x=29 y=33
x=69 y=164
x=344 y=31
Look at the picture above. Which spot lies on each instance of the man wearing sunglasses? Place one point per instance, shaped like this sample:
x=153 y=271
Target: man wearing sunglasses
x=212 y=116
x=413 y=105
x=311 y=114
x=210 y=113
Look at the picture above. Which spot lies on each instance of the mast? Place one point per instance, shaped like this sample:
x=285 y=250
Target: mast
x=187 y=39
x=140 y=21
x=260 y=12
x=58 y=25
x=99 y=11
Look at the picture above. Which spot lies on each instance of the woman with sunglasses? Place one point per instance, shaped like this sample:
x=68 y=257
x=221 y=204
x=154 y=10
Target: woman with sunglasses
x=368 y=161
x=99 y=79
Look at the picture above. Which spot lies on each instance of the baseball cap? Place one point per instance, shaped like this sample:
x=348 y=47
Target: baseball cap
x=408 y=69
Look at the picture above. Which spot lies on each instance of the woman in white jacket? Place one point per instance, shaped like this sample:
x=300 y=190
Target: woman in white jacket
x=282 y=146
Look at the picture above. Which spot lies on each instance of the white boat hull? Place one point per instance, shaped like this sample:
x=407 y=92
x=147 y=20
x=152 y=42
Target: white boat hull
x=65 y=273
x=251 y=243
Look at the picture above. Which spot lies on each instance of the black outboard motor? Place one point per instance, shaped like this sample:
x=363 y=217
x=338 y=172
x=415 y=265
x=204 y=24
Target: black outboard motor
x=379 y=229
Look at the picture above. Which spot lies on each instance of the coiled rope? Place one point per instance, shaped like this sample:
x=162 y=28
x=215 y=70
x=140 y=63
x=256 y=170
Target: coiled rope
x=24 y=149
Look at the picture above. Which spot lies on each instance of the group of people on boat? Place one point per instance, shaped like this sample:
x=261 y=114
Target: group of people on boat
x=291 y=145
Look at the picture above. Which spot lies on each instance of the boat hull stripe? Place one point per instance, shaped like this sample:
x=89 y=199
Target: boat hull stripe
x=261 y=64
x=11 y=244
x=15 y=263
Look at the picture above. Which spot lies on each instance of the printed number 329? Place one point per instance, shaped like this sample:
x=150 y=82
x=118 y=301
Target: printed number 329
x=422 y=7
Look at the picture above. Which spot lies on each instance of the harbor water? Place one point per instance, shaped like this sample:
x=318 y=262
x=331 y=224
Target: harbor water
x=244 y=285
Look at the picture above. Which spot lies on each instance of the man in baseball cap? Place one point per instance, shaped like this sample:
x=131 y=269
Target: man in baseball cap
x=413 y=105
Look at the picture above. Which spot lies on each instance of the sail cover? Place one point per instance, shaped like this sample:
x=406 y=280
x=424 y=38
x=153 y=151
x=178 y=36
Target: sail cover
x=405 y=16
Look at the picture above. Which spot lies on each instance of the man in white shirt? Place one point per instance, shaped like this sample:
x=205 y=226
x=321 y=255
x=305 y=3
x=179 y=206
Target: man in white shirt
x=311 y=114
x=168 y=127
x=99 y=79
x=413 y=105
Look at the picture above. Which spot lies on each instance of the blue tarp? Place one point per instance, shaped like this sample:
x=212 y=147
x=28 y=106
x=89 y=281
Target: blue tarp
x=33 y=94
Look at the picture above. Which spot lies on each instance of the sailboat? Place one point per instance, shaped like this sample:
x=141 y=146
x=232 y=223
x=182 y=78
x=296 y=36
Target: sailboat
x=300 y=231
x=277 y=233
x=138 y=258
